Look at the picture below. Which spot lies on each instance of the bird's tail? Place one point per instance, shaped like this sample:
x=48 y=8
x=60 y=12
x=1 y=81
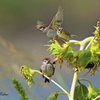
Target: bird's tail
x=47 y=80
x=61 y=41
x=73 y=36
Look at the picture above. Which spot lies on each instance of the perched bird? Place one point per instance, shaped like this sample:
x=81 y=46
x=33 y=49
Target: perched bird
x=51 y=30
x=64 y=34
x=47 y=68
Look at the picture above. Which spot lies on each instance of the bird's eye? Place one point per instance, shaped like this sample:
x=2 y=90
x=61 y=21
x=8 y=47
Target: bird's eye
x=41 y=28
x=44 y=60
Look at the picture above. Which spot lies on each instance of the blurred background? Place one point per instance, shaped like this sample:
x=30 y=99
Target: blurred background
x=20 y=43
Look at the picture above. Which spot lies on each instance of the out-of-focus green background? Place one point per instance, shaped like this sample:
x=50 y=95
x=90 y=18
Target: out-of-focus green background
x=20 y=43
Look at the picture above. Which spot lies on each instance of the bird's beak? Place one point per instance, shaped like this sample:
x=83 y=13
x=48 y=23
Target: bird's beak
x=61 y=30
x=36 y=28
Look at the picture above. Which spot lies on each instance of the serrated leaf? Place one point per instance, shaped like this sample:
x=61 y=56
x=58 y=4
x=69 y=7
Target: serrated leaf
x=28 y=74
x=81 y=59
x=61 y=52
x=81 y=92
x=53 y=96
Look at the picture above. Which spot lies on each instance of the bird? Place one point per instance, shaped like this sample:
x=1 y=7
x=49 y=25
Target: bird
x=64 y=34
x=47 y=68
x=51 y=30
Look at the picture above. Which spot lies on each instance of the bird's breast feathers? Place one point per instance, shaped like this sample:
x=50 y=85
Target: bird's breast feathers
x=51 y=34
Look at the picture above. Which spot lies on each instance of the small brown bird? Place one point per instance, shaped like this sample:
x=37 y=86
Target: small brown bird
x=64 y=34
x=51 y=30
x=47 y=68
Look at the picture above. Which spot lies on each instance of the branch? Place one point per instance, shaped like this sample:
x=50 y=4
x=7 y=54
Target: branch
x=53 y=82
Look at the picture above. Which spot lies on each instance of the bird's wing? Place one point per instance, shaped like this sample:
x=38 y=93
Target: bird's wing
x=53 y=69
x=40 y=70
x=66 y=32
x=57 y=20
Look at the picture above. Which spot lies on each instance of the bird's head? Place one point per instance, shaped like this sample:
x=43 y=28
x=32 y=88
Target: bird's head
x=60 y=30
x=40 y=26
x=46 y=60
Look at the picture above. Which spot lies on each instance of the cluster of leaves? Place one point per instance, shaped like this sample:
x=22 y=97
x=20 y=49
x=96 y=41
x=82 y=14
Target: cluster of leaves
x=19 y=88
x=28 y=74
x=60 y=53
x=84 y=59
x=95 y=45
x=86 y=93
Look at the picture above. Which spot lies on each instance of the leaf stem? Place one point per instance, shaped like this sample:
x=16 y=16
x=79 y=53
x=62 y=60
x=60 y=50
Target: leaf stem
x=61 y=93
x=89 y=43
x=82 y=79
x=65 y=92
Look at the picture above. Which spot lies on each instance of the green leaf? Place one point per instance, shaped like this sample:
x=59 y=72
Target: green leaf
x=53 y=96
x=19 y=88
x=95 y=45
x=81 y=59
x=97 y=89
x=93 y=92
x=28 y=74
x=62 y=52
x=81 y=92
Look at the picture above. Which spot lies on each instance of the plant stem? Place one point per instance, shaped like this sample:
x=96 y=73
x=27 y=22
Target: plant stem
x=82 y=79
x=89 y=43
x=61 y=93
x=73 y=86
x=83 y=42
x=96 y=97
x=82 y=45
x=65 y=92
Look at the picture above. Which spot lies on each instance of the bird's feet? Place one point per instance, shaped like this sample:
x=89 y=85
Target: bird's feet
x=43 y=75
x=53 y=40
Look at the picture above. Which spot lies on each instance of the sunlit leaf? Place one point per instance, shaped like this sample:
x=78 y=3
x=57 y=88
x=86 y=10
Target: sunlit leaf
x=61 y=52
x=81 y=92
x=28 y=74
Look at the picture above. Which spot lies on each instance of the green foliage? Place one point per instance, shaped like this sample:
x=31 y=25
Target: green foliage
x=53 y=96
x=93 y=93
x=61 y=52
x=86 y=93
x=81 y=92
x=83 y=58
x=19 y=88
x=28 y=74
x=95 y=45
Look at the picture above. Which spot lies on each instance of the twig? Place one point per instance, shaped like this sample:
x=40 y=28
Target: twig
x=53 y=82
